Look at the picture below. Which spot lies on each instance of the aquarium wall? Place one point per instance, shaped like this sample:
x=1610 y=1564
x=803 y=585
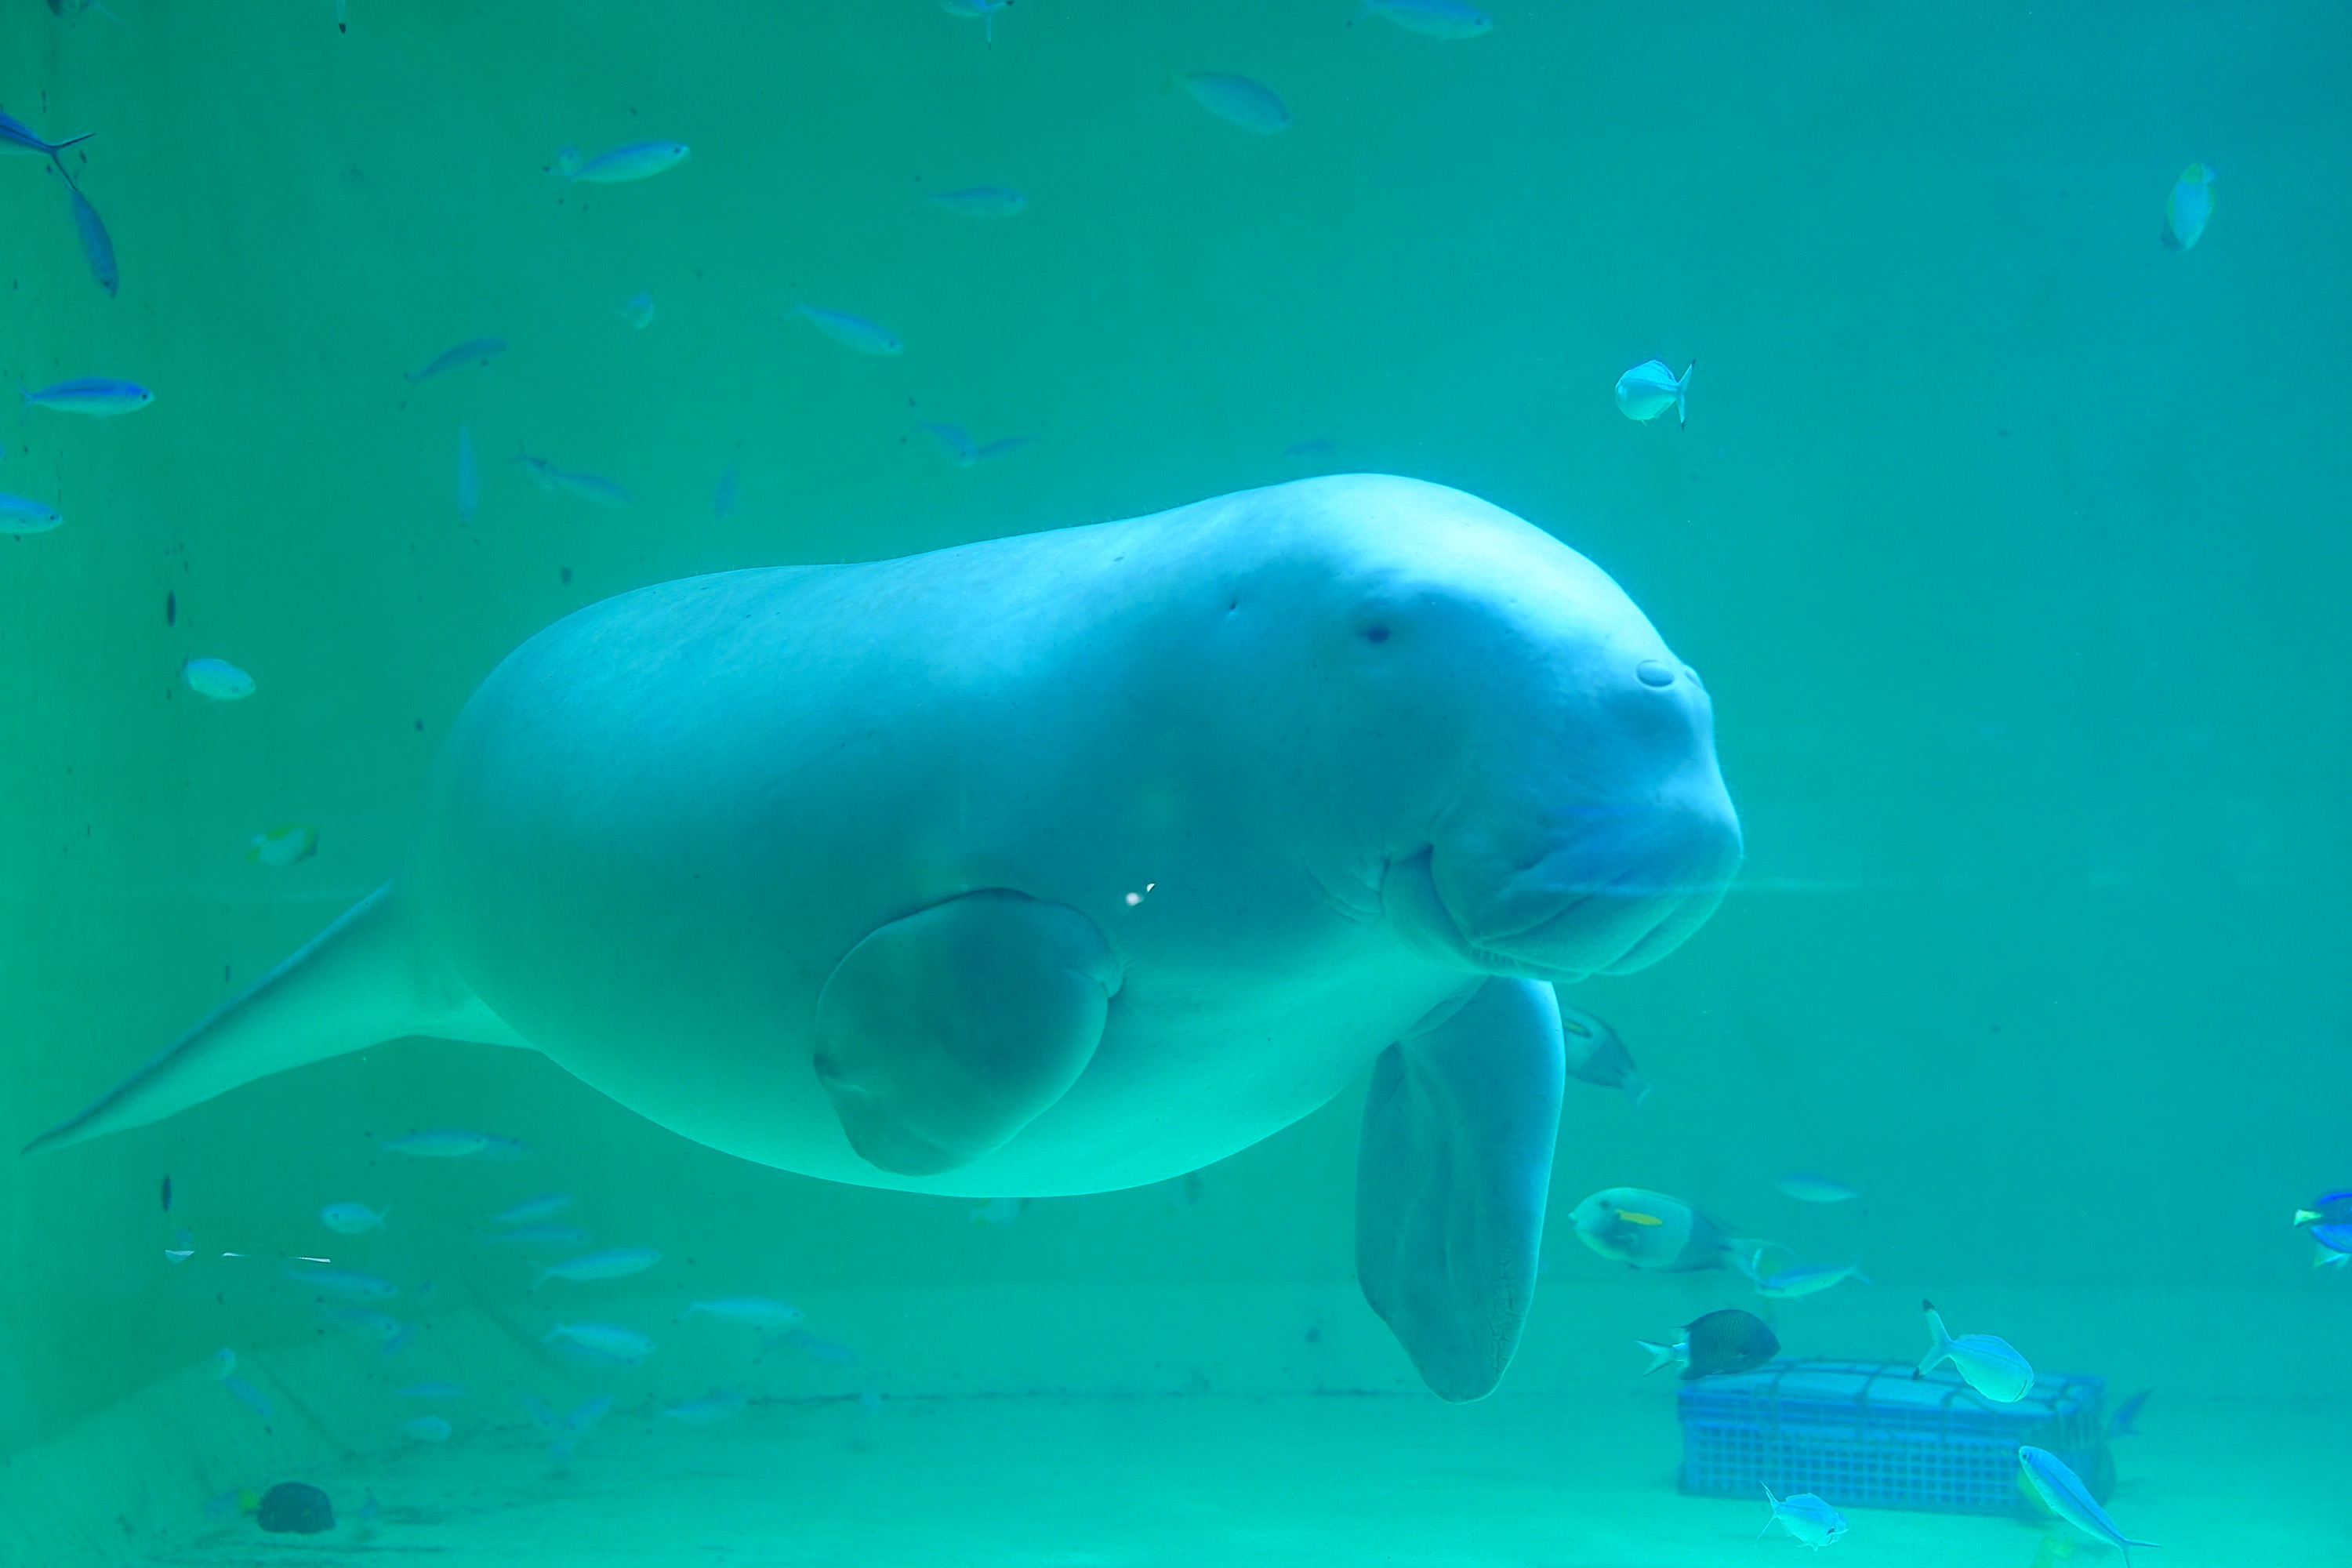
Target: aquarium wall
x=2008 y=540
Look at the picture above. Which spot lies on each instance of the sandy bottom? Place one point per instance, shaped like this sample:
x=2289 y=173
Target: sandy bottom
x=1206 y=1479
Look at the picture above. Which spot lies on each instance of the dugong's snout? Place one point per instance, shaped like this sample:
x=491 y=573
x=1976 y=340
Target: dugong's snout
x=1596 y=847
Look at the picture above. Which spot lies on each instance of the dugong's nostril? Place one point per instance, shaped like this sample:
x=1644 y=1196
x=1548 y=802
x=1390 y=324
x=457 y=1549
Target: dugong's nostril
x=1692 y=676
x=1652 y=673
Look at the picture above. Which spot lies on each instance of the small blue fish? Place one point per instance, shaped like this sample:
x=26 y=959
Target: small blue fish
x=2062 y=1492
x=593 y=488
x=216 y=679
x=722 y=499
x=1989 y=1364
x=431 y=1391
x=2120 y=1425
x=15 y=136
x=22 y=514
x=1238 y=100
x=349 y=1284
x=1000 y=1212
x=637 y=310
x=982 y=201
x=469 y=479
x=1432 y=18
x=851 y=331
x=530 y=1211
x=1807 y=1518
x=1313 y=446
x=99 y=396
x=437 y=1143
x=637 y=161
x=1001 y=446
x=497 y=1148
x=473 y=351
x=97 y=249
x=426 y=1429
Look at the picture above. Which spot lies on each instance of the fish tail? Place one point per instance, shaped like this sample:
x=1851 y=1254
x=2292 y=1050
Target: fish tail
x=1775 y=1515
x=57 y=147
x=1660 y=1355
x=368 y=978
x=1637 y=1088
x=1681 y=394
x=1940 y=1342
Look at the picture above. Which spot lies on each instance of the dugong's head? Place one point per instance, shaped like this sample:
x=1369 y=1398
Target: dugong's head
x=1567 y=816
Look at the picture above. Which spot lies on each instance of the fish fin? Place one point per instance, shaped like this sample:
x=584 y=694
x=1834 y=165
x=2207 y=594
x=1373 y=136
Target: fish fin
x=1682 y=395
x=1660 y=1355
x=1453 y=1167
x=1637 y=1088
x=368 y=978
x=1941 y=1345
x=57 y=147
x=941 y=1035
x=1774 y=1518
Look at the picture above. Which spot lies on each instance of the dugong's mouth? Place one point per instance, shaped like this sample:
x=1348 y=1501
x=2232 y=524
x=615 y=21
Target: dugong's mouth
x=1608 y=927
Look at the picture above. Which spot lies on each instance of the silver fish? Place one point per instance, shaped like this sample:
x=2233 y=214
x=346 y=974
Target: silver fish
x=982 y=201
x=1432 y=18
x=216 y=679
x=607 y=1340
x=1805 y=1517
x=853 y=331
x=984 y=11
x=1649 y=389
x=2063 y=1491
x=437 y=1143
x=1807 y=1280
x=1238 y=100
x=757 y=1311
x=97 y=249
x=613 y=1263
x=349 y=1284
x=1989 y=1364
x=711 y=1407
x=366 y=1323
x=593 y=488
x=473 y=351
x=637 y=161
x=530 y=1211
x=426 y=1428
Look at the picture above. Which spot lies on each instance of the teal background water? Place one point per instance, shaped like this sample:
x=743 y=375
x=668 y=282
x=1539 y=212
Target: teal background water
x=2012 y=546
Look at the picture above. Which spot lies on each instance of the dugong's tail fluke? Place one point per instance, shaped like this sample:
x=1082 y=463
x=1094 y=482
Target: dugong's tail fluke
x=365 y=979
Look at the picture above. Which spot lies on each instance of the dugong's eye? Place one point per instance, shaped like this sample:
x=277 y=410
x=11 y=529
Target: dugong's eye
x=1376 y=634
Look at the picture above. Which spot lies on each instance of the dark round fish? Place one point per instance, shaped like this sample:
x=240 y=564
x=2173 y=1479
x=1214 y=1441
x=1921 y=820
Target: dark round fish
x=1728 y=1340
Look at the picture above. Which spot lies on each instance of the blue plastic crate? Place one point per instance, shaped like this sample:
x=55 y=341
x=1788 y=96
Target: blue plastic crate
x=1871 y=1434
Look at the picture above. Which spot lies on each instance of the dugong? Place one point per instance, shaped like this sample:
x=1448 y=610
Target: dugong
x=1063 y=863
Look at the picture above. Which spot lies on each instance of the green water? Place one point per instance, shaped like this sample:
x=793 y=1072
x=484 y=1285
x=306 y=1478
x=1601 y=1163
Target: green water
x=2010 y=543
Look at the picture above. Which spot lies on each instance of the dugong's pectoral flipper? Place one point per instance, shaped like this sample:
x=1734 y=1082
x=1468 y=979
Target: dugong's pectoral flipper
x=942 y=1034
x=1450 y=1181
x=367 y=978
